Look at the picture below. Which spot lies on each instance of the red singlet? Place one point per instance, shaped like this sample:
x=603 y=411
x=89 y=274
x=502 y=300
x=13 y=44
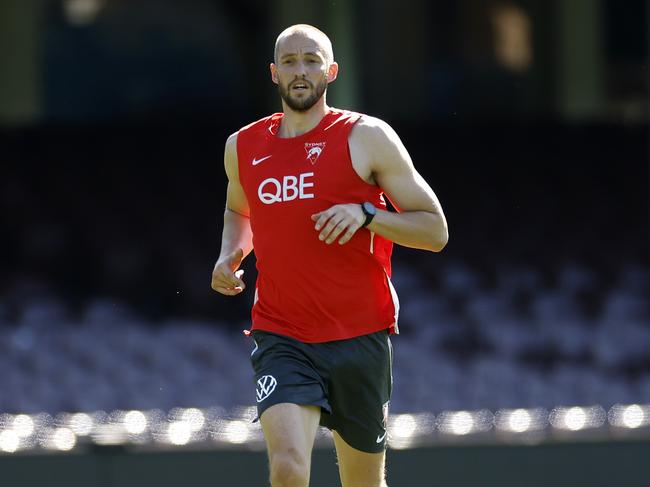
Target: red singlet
x=307 y=289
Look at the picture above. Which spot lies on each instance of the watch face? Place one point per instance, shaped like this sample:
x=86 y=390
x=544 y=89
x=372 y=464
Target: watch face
x=369 y=208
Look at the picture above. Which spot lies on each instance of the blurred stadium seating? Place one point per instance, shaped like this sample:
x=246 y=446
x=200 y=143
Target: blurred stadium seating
x=498 y=347
x=528 y=118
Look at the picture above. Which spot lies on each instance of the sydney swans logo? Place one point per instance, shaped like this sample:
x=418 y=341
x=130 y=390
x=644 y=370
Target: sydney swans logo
x=314 y=150
x=265 y=386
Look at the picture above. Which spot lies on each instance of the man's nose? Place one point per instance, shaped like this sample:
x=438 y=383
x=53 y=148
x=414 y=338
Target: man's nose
x=301 y=69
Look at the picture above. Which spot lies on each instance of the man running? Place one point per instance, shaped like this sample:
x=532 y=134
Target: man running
x=306 y=191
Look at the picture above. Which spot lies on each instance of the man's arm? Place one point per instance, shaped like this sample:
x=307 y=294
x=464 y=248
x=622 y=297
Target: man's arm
x=237 y=238
x=420 y=222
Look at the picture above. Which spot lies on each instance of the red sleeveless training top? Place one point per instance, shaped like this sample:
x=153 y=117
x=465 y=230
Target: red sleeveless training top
x=307 y=289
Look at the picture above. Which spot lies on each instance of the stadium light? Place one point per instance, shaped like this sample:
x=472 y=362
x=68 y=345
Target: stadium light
x=9 y=441
x=577 y=418
x=629 y=416
x=407 y=430
x=135 y=422
x=633 y=416
x=403 y=426
x=461 y=423
x=179 y=433
x=82 y=12
x=23 y=425
x=236 y=432
x=194 y=417
x=181 y=426
x=64 y=439
x=520 y=420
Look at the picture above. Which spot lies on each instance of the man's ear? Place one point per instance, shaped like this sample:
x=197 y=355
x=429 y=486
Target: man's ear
x=274 y=73
x=332 y=72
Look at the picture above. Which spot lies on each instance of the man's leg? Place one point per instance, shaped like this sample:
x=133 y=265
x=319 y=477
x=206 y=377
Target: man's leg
x=358 y=468
x=290 y=430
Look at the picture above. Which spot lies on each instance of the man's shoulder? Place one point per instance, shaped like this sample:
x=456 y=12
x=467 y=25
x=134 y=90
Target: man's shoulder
x=368 y=122
x=262 y=123
x=371 y=130
x=360 y=119
x=231 y=142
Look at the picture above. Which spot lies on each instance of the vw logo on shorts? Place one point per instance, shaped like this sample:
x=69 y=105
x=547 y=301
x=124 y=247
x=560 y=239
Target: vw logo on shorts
x=265 y=386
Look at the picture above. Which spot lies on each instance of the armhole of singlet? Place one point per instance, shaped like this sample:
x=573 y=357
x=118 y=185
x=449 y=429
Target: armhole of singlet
x=358 y=117
x=239 y=159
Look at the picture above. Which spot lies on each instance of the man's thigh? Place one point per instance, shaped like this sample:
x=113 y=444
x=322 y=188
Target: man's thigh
x=290 y=429
x=358 y=468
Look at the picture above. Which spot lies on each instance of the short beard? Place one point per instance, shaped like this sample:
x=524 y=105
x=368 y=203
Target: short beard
x=306 y=103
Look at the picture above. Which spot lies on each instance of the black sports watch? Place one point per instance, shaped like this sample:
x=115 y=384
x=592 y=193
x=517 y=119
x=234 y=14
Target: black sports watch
x=370 y=211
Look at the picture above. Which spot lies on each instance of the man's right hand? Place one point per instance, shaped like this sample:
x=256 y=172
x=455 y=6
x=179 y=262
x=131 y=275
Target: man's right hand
x=226 y=279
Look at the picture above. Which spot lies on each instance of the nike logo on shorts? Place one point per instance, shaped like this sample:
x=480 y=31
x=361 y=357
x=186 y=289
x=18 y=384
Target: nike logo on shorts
x=381 y=438
x=257 y=161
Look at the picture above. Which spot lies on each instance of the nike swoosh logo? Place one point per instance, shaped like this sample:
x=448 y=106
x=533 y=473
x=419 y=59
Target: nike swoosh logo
x=381 y=438
x=257 y=161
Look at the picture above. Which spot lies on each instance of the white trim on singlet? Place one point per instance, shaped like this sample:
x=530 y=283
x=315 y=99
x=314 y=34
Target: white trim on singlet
x=395 y=298
x=393 y=293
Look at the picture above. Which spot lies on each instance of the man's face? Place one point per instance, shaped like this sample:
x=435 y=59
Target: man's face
x=301 y=72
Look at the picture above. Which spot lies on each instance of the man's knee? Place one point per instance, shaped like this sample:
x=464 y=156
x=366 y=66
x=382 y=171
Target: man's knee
x=363 y=477
x=289 y=468
x=364 y=482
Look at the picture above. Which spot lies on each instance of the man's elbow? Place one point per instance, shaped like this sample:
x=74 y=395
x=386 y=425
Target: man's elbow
x=439 y=239
x=439 y=242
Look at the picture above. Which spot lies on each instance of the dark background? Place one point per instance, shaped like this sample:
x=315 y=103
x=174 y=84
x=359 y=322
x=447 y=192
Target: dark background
x=113 y=127
x=529 y=119
x=135 y=212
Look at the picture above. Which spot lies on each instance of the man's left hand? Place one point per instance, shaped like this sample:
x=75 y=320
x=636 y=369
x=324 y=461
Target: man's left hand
x=337 y=219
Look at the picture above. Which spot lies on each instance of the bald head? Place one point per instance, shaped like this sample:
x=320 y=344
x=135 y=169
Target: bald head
x=307 y=32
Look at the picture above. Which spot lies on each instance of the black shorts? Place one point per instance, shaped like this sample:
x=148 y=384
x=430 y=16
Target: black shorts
x=351 y=380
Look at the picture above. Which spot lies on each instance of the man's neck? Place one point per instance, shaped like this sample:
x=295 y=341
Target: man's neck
x=298 y=123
